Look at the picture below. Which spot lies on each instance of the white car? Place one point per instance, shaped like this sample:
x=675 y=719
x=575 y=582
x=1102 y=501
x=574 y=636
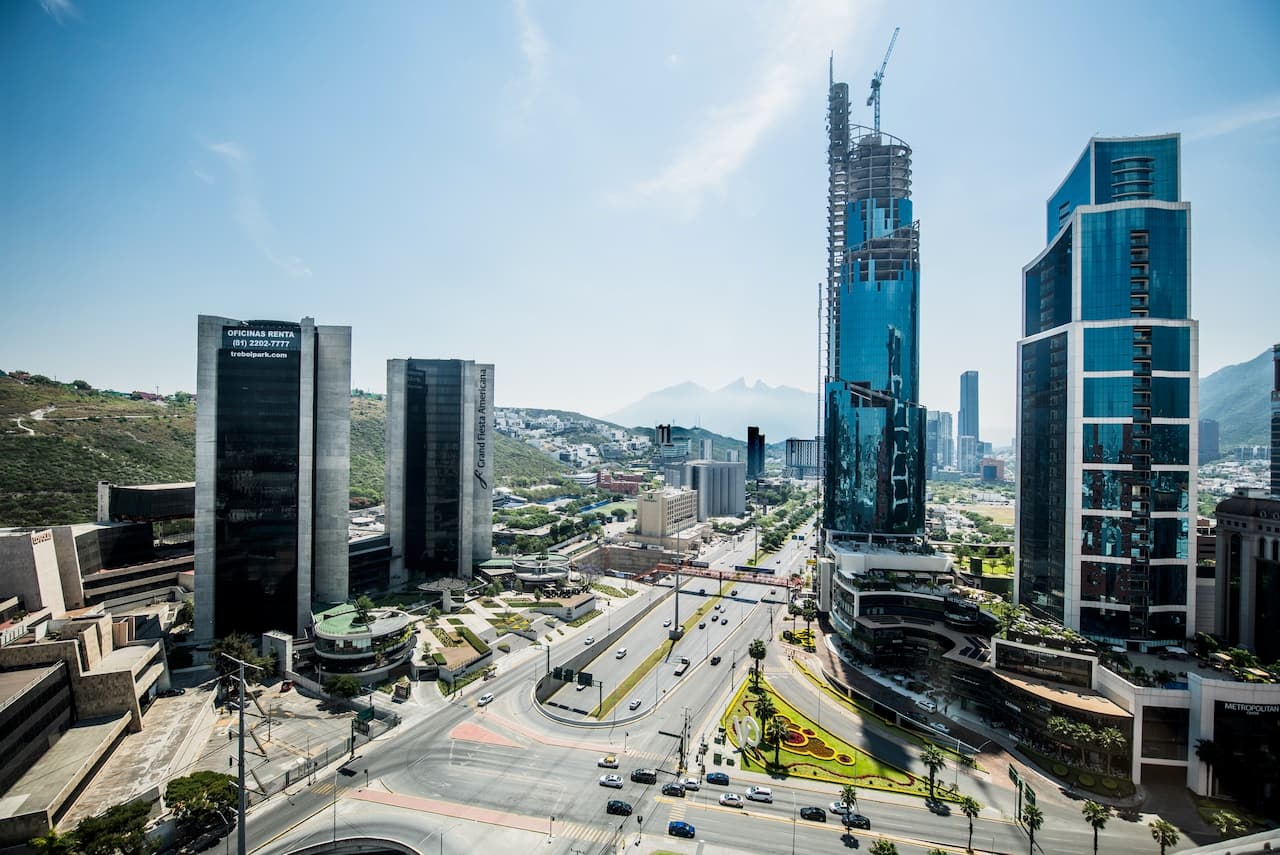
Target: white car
x=589 y=640
x=731 y=800
x=485 y=699
x=939 y=726
x=635 y=704
x=667 y=622
x=691 y=784
x=614 y=781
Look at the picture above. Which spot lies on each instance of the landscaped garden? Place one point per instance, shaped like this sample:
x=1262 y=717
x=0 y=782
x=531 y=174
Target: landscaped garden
x=807 y=750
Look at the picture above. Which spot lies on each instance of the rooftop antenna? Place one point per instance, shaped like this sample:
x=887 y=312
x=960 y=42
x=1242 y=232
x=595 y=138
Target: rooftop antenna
x=874 y=97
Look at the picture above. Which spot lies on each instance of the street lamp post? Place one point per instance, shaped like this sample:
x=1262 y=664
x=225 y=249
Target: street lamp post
x=241 y=844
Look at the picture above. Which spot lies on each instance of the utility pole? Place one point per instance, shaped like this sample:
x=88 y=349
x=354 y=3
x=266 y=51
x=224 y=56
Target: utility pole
x=241 y=843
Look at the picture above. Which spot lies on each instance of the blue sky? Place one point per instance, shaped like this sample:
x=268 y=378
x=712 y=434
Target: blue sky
x=601 y=198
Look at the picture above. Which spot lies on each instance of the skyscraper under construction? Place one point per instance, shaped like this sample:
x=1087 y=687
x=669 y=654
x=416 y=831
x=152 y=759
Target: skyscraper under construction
x=874 y=426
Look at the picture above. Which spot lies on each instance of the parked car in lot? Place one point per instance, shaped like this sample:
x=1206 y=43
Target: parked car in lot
x=680 y=829
x=614 y=781
x=485 y=699
x=608 y=761
x=673 y=789
x=635 y=704
x=731 y=800
x=719 y=778
x=815 y=814
x=715 y=660
x=618 y=807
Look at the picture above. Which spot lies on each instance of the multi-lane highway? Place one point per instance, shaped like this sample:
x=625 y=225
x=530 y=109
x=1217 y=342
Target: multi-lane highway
x=507 y=777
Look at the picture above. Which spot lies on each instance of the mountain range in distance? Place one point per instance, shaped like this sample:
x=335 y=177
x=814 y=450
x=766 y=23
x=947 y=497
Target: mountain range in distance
x=1237 y=397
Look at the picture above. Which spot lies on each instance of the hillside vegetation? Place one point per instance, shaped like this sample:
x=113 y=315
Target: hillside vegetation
x=50 y=466
x=1239 y=398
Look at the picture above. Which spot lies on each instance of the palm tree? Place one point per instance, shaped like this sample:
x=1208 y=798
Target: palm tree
x=849 y=796
x=1059 y=729
x=1227 y=823
x=1083 y=735
x=933 y=758
x=1210 y=754
x=810 y=611
x=776 y=731
x=970 y=807
x=757 y=651
x=1033 y=818
x=1112 y=742
x=1097 y=816
x=765 y=709
x=883 y=847
x=1164 y=834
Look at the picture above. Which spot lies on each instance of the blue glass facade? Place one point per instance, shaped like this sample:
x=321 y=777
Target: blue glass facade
x=875 y=434
x=1118 y=370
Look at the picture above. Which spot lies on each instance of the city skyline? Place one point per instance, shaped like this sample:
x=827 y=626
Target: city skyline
x=150 y=185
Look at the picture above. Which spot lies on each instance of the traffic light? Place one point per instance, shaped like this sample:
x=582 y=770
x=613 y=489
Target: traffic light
x=568 y=675
x=584 y=678
x=558 y=673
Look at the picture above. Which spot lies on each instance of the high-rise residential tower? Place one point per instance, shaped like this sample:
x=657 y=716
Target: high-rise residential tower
x=968 y=421
x=439 y=494
x=874 y=426
x=273 y=471
x=1107 y=401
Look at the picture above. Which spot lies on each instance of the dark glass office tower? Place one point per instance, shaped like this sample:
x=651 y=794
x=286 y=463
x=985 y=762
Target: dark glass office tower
x=755 y=452
x=439 y=467
x=272 y=473
x=970 y=434
x=1107 y=429
x=875 y=428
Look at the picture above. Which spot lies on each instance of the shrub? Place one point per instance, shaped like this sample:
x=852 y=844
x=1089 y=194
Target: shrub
x=1059 y=769
x=476 y=643
x=504 y=647
x=1110 y=783
x=1084 y=779
x=438 y=658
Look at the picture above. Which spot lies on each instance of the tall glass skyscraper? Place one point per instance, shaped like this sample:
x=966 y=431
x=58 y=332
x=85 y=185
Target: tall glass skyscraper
x=968 y=422
x=1107 y=430
x=874 y=426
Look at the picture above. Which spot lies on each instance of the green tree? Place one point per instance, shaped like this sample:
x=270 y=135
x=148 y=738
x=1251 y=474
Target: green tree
x=765 y=709
x=186 y=613
x=970 y=807
x=1227 y=823
x=810 y=613
x=757 y=652
x=201 y=798
x=776 y=732
x=849 y=797
x=121 y=830
x=1164 y=834
x=1112 y=742
x=237 y=646
x=933 y=759
x=53 y=843
x=1208 y=752
x=1033 y=818
x=342 y=686
x=1096 y=815
x=883 y=847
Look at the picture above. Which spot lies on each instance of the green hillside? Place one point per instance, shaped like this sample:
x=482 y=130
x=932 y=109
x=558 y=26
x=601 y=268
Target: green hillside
x=50 y=467
x=1238 y=397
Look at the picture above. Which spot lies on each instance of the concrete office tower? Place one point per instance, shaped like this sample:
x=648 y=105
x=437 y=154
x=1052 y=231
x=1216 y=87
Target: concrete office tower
x=968 y=420
x=721 y=486
x=1209 y=446
x=931 y=443
x=273 y=472
x=705 y=448
x=755 y=452
x=1107 y=402
x=874 y=426
x=439 y=494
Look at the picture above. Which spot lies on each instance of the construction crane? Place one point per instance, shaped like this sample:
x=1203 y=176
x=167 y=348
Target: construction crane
x=874 y=97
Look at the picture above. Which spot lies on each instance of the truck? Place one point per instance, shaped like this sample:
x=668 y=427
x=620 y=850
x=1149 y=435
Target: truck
x=683 y=666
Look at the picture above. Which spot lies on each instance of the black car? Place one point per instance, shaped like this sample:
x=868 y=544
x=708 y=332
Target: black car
x=857 y=820
x=702 y=625
x=715 y=660
x=718 y=778
x=816 y=814
x=676 y=790
x=940 y=808
x=170 y=693
x=618 y=807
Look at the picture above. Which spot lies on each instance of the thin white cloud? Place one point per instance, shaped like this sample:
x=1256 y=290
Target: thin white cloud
x=1236 y=118
x=60 y=10
x=250 y=213
x=801 y=35
x=533 y=43
x=202 y=175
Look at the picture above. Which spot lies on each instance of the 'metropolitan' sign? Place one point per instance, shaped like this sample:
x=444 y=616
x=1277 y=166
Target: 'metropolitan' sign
x=1249 y=709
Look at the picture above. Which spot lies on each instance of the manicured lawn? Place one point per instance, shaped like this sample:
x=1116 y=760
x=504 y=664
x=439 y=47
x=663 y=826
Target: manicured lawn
x=1105 y=785
x=811 y=751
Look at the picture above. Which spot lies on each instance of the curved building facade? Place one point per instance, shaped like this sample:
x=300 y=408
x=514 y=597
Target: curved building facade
x=874 y=425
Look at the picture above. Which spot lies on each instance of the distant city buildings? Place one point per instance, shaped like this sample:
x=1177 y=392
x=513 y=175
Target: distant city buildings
x=273 y=458
x=664 y=515
x=1107 y=401
x=439 y=473
x=720 y=486
x=802 y=458
x=705 y=449
x=1209 y=433
x=968 y=427
x=755 y=452
x=1248 y=572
